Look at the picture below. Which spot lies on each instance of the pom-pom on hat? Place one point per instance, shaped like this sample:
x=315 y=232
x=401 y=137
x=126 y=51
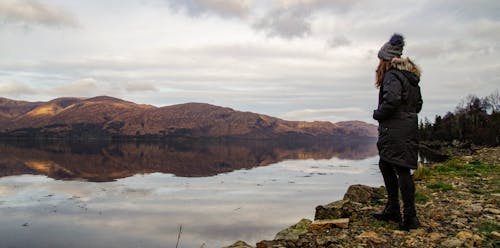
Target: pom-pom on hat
x=393 y=48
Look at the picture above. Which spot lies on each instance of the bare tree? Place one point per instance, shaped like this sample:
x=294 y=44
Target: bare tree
x=493 y=101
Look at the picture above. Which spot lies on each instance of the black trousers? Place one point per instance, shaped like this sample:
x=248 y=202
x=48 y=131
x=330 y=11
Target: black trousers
x=398 y=178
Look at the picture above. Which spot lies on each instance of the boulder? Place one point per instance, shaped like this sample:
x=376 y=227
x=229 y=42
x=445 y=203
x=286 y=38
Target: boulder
x=271 y=244
x=337 y=210
x=364 y=194
x=452 y=242
x=239 y=244
x=338 y=223
x=293 y=232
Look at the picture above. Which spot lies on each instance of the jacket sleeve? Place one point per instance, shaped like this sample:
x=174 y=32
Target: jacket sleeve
x=391 y=97
x=420 y=102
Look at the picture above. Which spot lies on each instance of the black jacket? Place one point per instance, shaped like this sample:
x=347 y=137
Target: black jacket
x=399 y=103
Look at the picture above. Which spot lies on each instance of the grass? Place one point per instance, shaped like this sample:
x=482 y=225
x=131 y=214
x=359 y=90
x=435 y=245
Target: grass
x=455 y=167
x=486 y=228
x=421 y=173
x=478 y=191
x=440 y=186
x=421 y=198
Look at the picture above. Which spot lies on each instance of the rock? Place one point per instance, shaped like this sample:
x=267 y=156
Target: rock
x=340 y=223
x=464 y=235
x=336 y=210
x=435 y=236
x=239 y=244
x=452 y=242
x=492 y=211
x=474 y=209
x=271 y=244
x=495 y=235
x=460 y=222
x=325 y=240
x=293 y=232
x=370 y=237
x=363 y=194
x=412 y=242
x=418 y=232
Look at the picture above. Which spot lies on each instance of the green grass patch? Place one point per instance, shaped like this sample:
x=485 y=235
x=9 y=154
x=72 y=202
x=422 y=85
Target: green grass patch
x=421 y=198
x=488 y=226
x=421 y=173
x=478 y=191
x=456 y=167
x=440 y=186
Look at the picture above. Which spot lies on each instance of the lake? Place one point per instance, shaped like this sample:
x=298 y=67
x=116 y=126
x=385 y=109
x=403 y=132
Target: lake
x=137 y=194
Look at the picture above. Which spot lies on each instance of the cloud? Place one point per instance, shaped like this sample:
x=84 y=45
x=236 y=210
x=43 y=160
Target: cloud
x=223 y=8
x=328 y=114
x=293 y=18
x=16 y=89
x=139 y=87
x=284 y=23
x=339 y=41
x=82 y=88
x=32 y=12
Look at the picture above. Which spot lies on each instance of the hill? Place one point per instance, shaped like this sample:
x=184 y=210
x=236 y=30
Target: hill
x=108 y=117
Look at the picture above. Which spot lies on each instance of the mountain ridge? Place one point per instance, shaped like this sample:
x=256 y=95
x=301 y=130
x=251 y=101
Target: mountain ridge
x=105 y=116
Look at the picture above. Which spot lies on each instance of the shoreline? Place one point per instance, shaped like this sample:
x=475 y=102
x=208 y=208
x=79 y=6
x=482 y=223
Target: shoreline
x=458 y=204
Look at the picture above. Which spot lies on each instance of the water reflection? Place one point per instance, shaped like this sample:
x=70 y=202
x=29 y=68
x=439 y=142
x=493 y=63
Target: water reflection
x=104 y=161
x=200 y=186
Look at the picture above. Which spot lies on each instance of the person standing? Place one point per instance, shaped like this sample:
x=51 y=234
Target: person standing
x=399 y=103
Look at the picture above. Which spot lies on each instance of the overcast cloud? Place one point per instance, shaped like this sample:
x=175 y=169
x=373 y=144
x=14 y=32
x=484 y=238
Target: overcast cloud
x=32 y=12
x=295 y=59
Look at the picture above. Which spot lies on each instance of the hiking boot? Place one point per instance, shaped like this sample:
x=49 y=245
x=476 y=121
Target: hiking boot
x=387 y=216
x=409 y=223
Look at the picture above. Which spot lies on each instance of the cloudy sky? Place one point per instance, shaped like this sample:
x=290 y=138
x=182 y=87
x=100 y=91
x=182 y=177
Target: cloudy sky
x=294 y=59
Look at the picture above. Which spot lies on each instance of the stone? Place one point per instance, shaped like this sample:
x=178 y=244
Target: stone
x=239 y=244
x=464 y=235
x=340 y=223
x=474 y=209
x=293 y=232
x=271 y=244
x=412 y=242
x=370 y=236
x=452 y=242
x=418 y=232
x=335 y=210
x=492 y=211
x=435 y=236
x=495 y=235
x=460 y=222
x=363 y=194
x=325 y=240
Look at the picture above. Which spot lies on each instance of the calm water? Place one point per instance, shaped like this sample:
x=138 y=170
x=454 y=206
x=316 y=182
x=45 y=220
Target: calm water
x=139 y=194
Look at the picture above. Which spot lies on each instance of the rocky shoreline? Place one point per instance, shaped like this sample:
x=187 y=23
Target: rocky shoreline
x=458 y=204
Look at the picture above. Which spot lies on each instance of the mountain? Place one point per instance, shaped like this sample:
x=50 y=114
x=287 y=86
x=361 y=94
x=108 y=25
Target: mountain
x=106 y=117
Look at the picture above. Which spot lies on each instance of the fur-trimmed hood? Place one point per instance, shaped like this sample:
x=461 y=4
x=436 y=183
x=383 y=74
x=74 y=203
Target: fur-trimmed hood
x=406 y=65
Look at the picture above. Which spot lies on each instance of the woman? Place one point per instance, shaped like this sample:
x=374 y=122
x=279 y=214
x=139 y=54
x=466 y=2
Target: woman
x=399 y=103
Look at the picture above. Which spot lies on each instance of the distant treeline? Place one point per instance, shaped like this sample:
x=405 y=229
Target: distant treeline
x=475 y=120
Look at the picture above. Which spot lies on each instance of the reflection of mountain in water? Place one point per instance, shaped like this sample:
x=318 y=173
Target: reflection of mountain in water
x=102 y=162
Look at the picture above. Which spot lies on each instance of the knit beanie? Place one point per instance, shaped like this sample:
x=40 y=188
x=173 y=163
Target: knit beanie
x=393 y=48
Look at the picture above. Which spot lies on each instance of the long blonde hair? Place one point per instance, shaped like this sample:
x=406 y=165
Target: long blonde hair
x=382 y=68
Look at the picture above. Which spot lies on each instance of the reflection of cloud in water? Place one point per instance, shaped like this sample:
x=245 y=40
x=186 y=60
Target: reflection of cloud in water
x=146 y=210
x=5 y=191
x=324 y=166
